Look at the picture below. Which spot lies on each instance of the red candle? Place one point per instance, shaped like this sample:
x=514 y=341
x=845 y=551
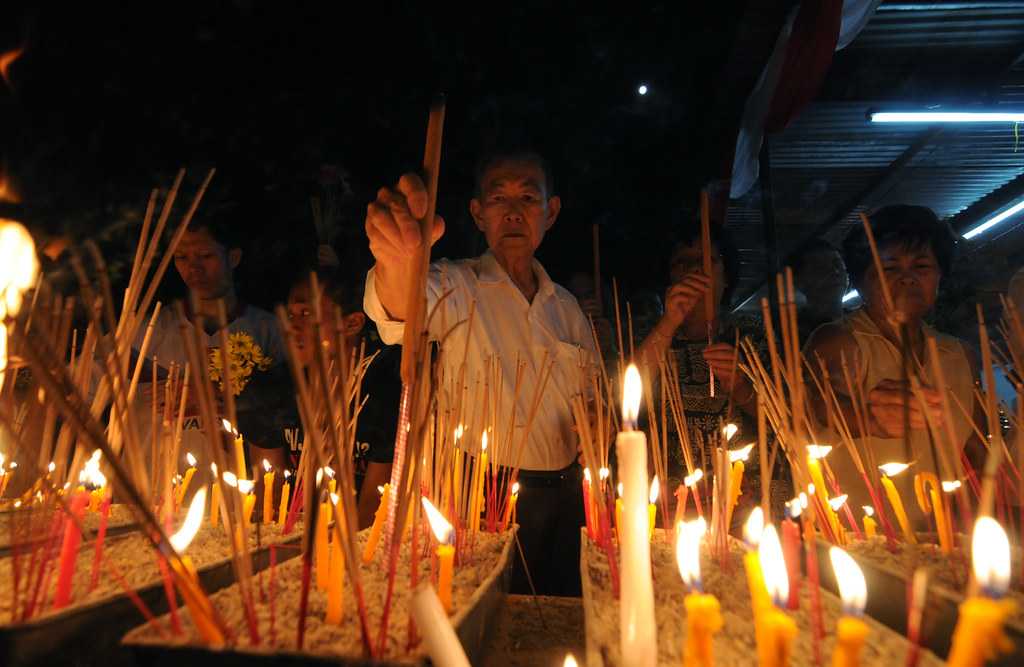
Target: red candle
x=586 y=503
x=791 y=551
x=69 y=549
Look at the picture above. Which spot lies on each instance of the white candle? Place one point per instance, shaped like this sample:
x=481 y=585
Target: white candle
x=637 y=629
x=443 y=645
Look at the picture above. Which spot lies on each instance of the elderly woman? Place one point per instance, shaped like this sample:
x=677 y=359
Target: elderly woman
x=916 y=251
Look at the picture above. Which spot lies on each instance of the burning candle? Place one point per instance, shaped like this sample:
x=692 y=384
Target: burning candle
x=637 y=630
x=703 y=613
x=69 y=549
x=891 y=470
x=777 y=632
x=268 y=492
x=510 y=508
x=979 y=635
x=321 y=549
x=335 y=576
x=870 y=525
x=5 y=475
x=93 y=481
x=282 y=510
x=652 y=507
x=214 y=497
x=198 y=604
x=239 y=448
x=431 y=619
x=851 y=631
x=479 y=474
x=19 y=267
x=246 y=488
x=752 y=565
x=815 y=455
x=586 y=504
x=378 y=524
x=791 y=550
x=737 y=457
x=183 y=489
x=929 y=499
x=445 y=536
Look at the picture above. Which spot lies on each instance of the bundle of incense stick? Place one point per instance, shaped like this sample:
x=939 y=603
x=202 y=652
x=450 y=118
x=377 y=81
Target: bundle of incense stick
x=329 y=397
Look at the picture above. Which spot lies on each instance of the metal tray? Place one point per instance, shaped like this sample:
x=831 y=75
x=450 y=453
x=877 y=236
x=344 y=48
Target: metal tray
x=90 y=634
x=471 y=625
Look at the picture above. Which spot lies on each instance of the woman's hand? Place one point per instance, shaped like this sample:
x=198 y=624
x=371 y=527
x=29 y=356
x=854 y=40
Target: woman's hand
x=722 y=360
x=681 y=297
x=892 y=400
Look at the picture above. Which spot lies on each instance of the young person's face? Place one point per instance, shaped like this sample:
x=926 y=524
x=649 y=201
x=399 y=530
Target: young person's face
x=205 y=265
x=301 y=313
x=913 y=276
x=514 y=209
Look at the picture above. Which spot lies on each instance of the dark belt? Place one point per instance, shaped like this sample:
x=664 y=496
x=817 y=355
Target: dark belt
x=549 y=479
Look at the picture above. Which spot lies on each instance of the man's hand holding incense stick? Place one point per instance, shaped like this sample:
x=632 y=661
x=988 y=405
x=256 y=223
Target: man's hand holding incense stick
x=393 y=229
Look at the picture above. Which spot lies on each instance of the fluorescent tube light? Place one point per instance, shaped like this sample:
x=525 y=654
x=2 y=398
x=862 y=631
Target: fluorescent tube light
x=994 y=220
x=849 y=296
x=945 y=117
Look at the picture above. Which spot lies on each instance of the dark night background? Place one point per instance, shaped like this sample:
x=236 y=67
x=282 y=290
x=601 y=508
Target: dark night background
x=289 y=100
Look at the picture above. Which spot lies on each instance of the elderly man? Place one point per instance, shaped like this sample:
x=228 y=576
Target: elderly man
x=520 y=316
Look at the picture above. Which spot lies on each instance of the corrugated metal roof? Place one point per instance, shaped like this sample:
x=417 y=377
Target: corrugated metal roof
x=832 y=152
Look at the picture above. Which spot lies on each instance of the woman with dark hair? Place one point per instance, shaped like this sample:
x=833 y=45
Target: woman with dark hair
x=916 y=250
x=682 y=332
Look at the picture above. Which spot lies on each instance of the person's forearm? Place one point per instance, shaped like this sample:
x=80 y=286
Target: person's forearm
x=392 y=285
x=652 y=350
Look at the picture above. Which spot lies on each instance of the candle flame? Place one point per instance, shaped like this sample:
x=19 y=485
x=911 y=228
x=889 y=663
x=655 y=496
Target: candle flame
x=229 y=427
x=442 y=530
x=483 y=442
x=810 y=489
x=990 y=555
x=729 y=430
x=459 y=430
x=586 y=474
x=245 y=486
x=266 y=465
x=693 y=478
x=570 y=661
x=818 y=452
x=754 y=526
x=6 y=60
x=51 y=467
x=893 y=469
x=229 y=478
x=12 y=465
x=688 y=537
x=380 y=489
x=91 y=477
x=852 y=587
x=193 y=521
x=19 y=266
x=287 y=474
x=773 y=565
x=603 y=474
x=869 y=510
x=213 y=469
x=837 y=503
x=335 y=498
x=515 y=489
x=741 y=454
x=631 y=391
x=652 y=496
x=191 y=459
x=950 y=487
x=794 y=508
x=619 y=489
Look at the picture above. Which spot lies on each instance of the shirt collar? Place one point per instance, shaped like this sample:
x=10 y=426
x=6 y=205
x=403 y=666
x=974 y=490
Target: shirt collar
x=493 y=272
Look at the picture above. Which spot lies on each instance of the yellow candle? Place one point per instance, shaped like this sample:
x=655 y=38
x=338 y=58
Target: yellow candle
x=926 y=489
x=215 y=504
x=321 y=547
x=851 y=631
x=282 y=511
x=815 y=454
x=751 y=563
x=268 y=492
x=239 y=448
x=457 y=481
x=896 y=502
x=652 y=507
x=183 y=489
x=510 y=508
x=479 y=475
x=378 y=525
x=777 y=630
x=248 y=503
x=979 y=635
x=96 y=498
x=870 y=525
x=444 y=534
x=703 y=613
x=336 y=581
x=737 y=458
x=198 y=604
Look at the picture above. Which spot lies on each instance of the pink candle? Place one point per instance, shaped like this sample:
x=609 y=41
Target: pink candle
x=791 y=552
x=586 y=503
x=100 y=536
x=69 y=549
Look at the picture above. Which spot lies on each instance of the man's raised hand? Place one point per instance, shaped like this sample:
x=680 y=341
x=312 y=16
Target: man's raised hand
x=393 y=222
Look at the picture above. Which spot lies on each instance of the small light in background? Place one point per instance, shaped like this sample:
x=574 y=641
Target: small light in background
x=642 y=90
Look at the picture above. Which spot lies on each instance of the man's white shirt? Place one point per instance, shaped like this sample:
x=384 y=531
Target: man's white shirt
x=513 y=330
